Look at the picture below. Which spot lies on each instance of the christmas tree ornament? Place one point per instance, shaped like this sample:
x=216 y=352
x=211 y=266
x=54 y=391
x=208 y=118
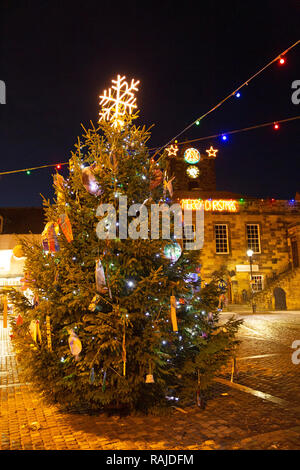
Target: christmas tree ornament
x=100 y=278
x=48 y=332
x=26 y=281
x=35 y=332
x=18 y=251
x=173 y=313
x=66 y=227
x=49 y=237
x=222 y=301
x=118 y=101
x=59 y=184
x=156 y=178
x=35 y=300
x=172 y=251
x=149 y=377
x=124 y=352
x=74 y=344
x=89 y=180
x=104 y=381
x=19 y=320
x=94 y=303
x=168 y=185
x=210 y=317
x=92 y=376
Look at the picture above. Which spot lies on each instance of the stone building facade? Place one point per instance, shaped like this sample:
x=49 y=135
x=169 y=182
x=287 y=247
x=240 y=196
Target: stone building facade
x=233 y=223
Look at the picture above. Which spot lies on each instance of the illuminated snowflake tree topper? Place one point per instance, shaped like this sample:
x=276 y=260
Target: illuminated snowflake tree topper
x=118 y=100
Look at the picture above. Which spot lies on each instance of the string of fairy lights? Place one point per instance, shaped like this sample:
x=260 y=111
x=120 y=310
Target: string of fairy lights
x=280 y=59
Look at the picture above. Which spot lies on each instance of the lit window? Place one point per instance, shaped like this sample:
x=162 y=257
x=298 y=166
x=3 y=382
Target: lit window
x=253 y=237
x=221 y=237
x=257 y=284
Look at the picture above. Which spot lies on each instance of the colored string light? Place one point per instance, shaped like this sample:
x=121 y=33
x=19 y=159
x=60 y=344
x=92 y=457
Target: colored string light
x=236 y=131
x=214 y=136
x=277 y=58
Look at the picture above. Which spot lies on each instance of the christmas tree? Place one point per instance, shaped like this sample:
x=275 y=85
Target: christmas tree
x=116 y=322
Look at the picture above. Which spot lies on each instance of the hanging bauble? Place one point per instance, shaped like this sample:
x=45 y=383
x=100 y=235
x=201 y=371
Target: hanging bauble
x=26 y=281
x=49 y=237
x=100 y=278
x=59 y=184
x=168 y=185
x=92 y=376
x=149 y=379
x=35 y=332
x=90 y=182
x=104 y=381
x=48 y=330
x=172 y=251
x=173 y=313
x=156 y=178
x=75 y=344
x=94 y=307
x=19 y=320
x=18 y=251
x=66 y=227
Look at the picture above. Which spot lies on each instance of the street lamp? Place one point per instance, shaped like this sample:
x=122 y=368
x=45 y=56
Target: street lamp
x=250 y=254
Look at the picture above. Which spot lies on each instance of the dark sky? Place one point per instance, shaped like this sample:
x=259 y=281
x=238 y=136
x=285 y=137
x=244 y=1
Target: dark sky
x=57 y=57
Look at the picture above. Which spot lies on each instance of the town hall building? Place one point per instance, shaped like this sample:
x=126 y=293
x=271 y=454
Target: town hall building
x=233 y=224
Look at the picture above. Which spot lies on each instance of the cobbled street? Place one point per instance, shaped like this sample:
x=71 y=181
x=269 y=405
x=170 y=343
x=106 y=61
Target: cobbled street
x=259 y=409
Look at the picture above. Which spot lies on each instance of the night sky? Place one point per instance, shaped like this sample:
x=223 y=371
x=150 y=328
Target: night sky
x=57 y=57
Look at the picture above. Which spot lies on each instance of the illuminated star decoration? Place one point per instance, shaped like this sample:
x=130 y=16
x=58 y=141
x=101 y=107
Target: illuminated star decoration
x=172 y=150
x=118 y=100
x=212 y=152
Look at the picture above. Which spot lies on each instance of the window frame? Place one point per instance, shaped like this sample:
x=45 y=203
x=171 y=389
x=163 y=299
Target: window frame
x=261 y=276
x=259 y=237
x=227 y=238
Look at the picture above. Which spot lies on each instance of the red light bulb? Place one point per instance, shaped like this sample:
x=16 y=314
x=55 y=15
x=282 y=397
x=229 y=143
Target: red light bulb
x=58 y=166
x=276 y=126
x=282 y=60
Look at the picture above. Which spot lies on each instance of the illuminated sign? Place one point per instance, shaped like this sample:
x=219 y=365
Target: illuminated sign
x=192 y=171
x=192 y=156
x=212 y=205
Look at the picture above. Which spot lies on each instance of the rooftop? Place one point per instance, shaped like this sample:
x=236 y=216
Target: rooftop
x=21 y=220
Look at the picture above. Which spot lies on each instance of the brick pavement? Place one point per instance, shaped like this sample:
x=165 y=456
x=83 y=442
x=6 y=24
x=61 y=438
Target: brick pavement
x=231 y=420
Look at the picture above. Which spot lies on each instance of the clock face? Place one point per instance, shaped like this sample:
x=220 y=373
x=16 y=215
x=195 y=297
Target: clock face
x=192 y=155
x=193 y=171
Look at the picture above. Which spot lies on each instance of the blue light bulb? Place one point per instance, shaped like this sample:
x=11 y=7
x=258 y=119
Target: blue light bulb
x=238 y=95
